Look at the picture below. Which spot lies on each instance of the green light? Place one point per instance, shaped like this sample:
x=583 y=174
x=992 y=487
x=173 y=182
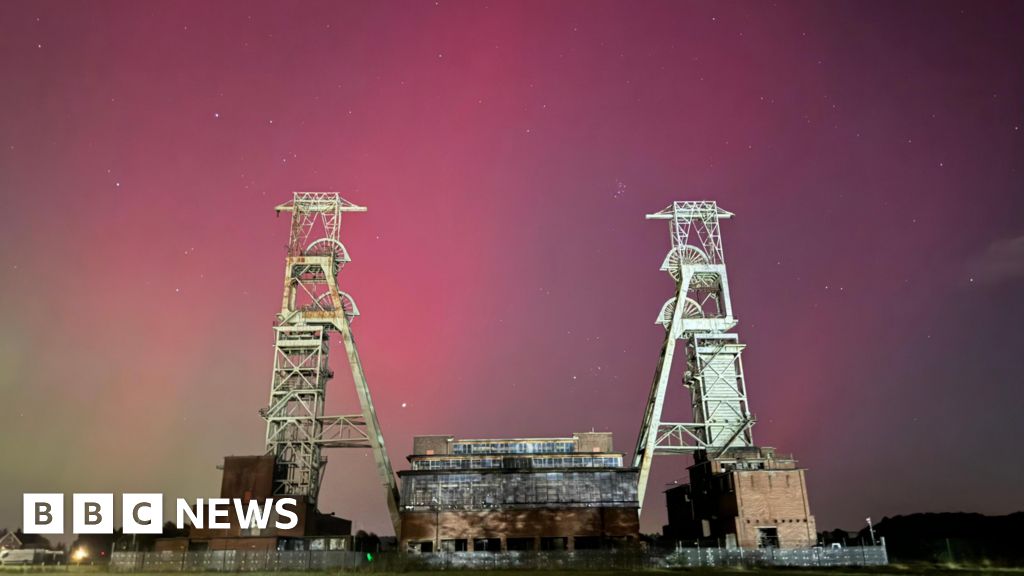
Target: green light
x=369 y=557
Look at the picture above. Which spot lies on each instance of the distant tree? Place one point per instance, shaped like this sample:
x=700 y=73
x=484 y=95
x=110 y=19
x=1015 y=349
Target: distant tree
x=366 y=542
x=959 y=538
x=838 y=536
x=33 y=540
x=171 y=530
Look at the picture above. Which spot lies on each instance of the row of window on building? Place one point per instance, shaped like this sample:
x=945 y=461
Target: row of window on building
x=515 y=447
x=482 y=491
x=534 y=462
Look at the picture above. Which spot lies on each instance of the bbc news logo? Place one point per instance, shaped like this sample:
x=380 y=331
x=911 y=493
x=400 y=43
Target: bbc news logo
x=144 y=513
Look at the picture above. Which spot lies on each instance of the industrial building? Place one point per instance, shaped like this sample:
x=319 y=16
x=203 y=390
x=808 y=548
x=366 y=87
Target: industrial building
x=517 y=494
x=740 y=494
x=252 y=478
x=749 y=498
x=313 y=310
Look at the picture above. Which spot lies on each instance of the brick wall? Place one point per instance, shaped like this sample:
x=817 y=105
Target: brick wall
x=594 y=442
x=522 y=523
x=429 y=445
x=773 y=498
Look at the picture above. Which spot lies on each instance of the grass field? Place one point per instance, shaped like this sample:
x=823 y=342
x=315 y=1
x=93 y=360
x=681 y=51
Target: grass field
x=893 y=570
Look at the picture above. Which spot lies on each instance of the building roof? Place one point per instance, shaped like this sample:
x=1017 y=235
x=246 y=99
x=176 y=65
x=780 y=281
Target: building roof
x=581 y=442
x=10 y=541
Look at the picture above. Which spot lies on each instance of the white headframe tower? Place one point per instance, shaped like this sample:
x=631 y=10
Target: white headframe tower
x=701 y=315
x=312 y=308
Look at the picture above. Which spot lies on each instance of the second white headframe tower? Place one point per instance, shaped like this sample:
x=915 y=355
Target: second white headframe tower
x=701 y=315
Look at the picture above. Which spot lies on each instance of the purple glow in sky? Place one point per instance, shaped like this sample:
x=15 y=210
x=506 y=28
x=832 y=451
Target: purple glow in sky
x=507 y=279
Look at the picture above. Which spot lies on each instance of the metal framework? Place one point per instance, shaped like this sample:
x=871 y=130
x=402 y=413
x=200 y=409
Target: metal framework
x=312 y=308
x=714 y=370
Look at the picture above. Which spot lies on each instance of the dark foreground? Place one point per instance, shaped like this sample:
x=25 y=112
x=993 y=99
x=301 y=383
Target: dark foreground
x=893 y=570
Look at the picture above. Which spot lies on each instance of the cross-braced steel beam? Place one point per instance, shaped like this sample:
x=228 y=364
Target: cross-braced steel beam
x=312 y=308
x=714 y=371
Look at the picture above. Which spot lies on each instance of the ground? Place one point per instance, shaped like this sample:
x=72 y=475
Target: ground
x=894 y=570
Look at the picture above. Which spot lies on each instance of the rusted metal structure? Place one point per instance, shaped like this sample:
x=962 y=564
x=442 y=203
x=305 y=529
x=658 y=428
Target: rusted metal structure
x=313 y=307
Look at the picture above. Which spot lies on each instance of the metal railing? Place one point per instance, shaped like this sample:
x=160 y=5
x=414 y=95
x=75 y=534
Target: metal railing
x=848 y=556
x=615 y=560
x=235 y=560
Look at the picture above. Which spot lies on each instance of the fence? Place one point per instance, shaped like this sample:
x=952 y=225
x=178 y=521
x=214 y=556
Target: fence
x=614 y=560
x=604 y=560
x=235 y=560
x=850 y=556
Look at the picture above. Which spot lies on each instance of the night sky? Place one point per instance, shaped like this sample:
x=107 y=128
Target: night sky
x=508 y=282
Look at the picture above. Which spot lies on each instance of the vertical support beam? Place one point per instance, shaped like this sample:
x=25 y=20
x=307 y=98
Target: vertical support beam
x=648 y=438
x=380 y=454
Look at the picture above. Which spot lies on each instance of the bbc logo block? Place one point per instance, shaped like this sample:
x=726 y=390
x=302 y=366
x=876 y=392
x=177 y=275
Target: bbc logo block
x=92 y=513
x=43 y=514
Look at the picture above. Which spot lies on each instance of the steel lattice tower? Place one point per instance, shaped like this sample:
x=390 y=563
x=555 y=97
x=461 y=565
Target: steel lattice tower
x=700 y=314
x=312 y=308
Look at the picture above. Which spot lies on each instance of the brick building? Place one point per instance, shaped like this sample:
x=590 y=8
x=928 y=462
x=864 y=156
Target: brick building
x=252 y=478
x=517 y=494
x=749 y=497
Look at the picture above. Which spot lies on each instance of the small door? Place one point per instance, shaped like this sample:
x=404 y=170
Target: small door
x=768 y=537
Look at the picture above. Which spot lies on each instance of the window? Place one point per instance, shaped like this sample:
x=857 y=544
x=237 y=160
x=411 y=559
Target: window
x=421 y=546
x=519 y=544
x=456 y=545
x=487 y=545
x=553 y=544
